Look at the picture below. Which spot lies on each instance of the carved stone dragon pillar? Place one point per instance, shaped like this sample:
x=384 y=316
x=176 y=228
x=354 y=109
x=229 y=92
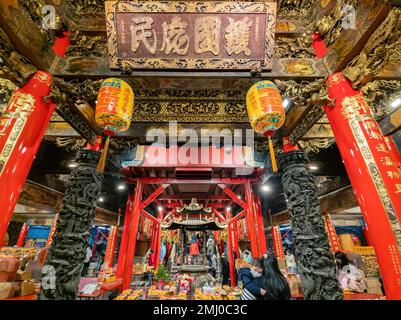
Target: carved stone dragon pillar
x=312 y=248
x=62 y=271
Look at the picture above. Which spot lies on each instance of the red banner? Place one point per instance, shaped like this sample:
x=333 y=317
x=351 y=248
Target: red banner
x=52 y=230
x=278 y=244
x=111 y=246
x=331 y=232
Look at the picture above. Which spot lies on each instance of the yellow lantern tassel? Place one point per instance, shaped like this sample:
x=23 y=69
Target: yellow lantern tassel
x=102 y=161
x=272 y=156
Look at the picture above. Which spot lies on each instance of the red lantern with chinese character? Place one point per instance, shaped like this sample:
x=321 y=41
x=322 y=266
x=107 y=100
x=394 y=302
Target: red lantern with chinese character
x=266 y=112
x=114 y=109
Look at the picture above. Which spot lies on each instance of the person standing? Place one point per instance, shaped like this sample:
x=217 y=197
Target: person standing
x=290 y=261
x=194 y=252
x=163 y=251
x=225 y=269
x=88 y=256
x=213 y=266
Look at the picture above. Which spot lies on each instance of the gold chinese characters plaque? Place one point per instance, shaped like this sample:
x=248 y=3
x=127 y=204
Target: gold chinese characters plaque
x=191 y=35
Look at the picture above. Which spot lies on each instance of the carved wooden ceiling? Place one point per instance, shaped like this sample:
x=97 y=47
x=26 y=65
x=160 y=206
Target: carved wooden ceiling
x=370 y=56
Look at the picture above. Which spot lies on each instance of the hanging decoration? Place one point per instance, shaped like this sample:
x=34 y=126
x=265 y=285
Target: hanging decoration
x=266 y=112
x=114 y=109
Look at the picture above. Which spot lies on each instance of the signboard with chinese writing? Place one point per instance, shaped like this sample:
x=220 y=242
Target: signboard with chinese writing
x=191 y=35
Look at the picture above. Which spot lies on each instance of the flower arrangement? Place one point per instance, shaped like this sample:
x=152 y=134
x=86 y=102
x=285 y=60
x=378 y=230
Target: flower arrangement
x=161 y=275
x=185 y=281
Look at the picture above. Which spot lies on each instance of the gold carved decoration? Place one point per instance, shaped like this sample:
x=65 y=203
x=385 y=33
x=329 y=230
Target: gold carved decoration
x=190 y=106
x=382 y=47
x=86 y=46
x=13 y=66
x=183 y=50
x=315 y=145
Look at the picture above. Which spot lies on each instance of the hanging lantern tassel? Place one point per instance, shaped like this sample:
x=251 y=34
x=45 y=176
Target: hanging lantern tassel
x=102 y=161
x=272 y=156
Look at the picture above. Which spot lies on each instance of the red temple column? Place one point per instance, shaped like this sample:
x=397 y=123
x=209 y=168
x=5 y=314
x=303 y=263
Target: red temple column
x=22 y=235
x=261 y=226
x=234 y=228
x=231 y=261
x=133 y=231
x=122 y=254
x=158 y=240
x=251 y=222
x=373 y=173
x=22 y=127
x=393 y=150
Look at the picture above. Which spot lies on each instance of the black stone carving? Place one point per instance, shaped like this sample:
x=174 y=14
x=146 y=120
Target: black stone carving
x=315 y=260
x=67 y=253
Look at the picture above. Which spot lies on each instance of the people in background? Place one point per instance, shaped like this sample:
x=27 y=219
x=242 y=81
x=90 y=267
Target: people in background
x=168 y=252
x=151 y=258
x=349 y=275
x=194 y=252
x=251 y=276
x=290 y=261
x=225 y=269
x=213 y=265
x=163 y=251
x=247 y=256
x=88 y=256
x=275 y=285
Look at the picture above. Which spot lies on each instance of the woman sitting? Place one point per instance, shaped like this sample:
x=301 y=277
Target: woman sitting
x=251 y=276
x=263 y=280
x=275 y=285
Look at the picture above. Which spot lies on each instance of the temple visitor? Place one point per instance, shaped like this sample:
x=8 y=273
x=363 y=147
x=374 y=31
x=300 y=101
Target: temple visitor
x=275 y=285
x=251 y=276
x=247 y=256
x=225 y=269
x=88 y=256
x=194 y=252
x=290 y=261
x=163 y=251
x=213 y=265
x=151 y=258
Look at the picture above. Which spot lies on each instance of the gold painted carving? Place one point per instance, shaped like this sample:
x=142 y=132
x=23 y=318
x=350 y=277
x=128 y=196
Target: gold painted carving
x=175 y=39
x=203 y=43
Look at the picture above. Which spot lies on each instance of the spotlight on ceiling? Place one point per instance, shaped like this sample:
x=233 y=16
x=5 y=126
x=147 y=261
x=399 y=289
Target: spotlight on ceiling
x=313 y=167
x=228 y=208
x=72 y=165
x=396 y=103
x=121 y=186
x=160 y=208
x=266 y=188
x=101 y=199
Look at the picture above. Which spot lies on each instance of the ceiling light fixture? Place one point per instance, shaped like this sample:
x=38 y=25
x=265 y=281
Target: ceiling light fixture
x=121 y=186
x=313 y=167
x=228 y=208
x=101 y=199
x=72 y=165
x=266 y=188
x=160 y=208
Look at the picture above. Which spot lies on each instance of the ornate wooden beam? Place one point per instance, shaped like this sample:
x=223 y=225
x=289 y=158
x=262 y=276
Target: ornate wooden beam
x=370 y=14
x=335 y=202
x=22 y=23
